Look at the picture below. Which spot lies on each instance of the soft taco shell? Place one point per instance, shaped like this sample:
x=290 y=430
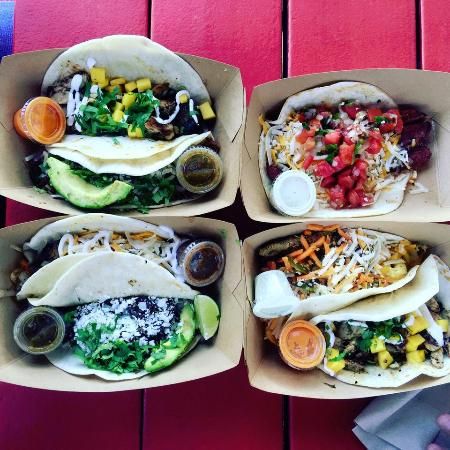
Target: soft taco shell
x=392 y=196
x=384 y=307
x=101 y=276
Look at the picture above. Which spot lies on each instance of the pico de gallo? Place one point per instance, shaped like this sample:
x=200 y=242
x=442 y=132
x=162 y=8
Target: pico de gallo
x=351 y=151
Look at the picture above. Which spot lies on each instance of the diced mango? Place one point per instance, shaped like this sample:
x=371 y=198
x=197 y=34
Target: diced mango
x=377 y=345
x=335 y=366
x=418 y=356
x=419 y=324
x=184 y=98
x=395 y=272
x=103 y=84
x=117 y=81
x=385 y=359
x=98 y=75
x=113 y=88
x=413 y=342
x=206 y=111
x=119 y=106
x=143 y=84
x=128 y=99
x=443 y=323
x=137 y=133
x=131 y=86
x=117 y=115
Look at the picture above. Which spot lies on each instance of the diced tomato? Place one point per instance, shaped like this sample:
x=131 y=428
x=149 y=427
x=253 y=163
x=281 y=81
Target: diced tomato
x=314 y=124
x=346 y=181
x=307 y=162
x=304 y=135
x=387 y=126
x=328 y=182
x=375 y=134
x=357 y=197
x=323 y=169
x=374 y=146
x=372 y=113
x=346 y=152
x=309 y=144
x=351 y=110
x=359 y=170
x=398 y=122
x=338 y=164
x=332 y=138
x=347 y=139
x=322 y=108
x=337 y=197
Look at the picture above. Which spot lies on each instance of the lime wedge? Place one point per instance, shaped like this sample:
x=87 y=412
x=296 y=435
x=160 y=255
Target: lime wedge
x=208 y=314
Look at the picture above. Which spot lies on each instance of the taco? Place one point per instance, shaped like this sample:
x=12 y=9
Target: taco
x=66 y=241
x=330 y=267
x=390 y=339
x=132 y=108
x=125 y=316
x=359 y=149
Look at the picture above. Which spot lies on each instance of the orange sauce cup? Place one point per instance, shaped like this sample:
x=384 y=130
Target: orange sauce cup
x=41 y=120
x=302 y=345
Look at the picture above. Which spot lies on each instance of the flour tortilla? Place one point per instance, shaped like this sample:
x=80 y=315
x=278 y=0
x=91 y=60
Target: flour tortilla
x=323 y=304
x=90 y=222
x=131 y=57
x=101 y=276
x=384 y=307
x=391 y=197
x=100 y=154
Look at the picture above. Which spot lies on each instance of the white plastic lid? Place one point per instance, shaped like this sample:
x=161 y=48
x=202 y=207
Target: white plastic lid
x=273 y=295
x=293 y=193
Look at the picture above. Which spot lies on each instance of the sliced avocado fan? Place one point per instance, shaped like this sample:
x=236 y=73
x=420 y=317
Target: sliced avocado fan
x=79 y=192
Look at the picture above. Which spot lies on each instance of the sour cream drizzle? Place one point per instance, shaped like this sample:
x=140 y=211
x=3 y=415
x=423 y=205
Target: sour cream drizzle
x=174 y=114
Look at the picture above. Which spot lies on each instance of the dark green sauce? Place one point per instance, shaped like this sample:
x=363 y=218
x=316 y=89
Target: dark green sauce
x=40 y=331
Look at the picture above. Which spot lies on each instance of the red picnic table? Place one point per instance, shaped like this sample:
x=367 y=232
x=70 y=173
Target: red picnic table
x=267 y=39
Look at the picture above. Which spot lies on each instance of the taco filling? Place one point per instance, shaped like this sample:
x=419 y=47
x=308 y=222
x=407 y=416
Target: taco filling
x=414 y=338
x=352 y=151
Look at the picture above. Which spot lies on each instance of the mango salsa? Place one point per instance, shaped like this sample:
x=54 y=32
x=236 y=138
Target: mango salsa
x=419 y=324
x=143 y=84
x=117 y=115
x=119 y=106
x=128 y=99
x=137 y=133
x=131 y=86
x=377 y=345
x=385 y=359
x=335 y=366
x=443 y=323
x=413 y=342
x=418 y=356
x=206 y=111
x=98 y=76
x=117 y=81
x=184 y=98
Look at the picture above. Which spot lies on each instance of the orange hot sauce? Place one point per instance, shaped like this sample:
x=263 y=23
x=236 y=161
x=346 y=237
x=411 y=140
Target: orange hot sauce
x=40 y=120
x=302 y=345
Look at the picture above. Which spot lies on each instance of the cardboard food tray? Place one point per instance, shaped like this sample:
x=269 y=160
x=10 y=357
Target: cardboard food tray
x=20 y=79
x=428 y=91
x=222 y=353
x=269 y=373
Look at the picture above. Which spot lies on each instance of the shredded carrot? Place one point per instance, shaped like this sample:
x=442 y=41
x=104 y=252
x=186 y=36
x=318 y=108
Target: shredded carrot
x=326 y=245
x=311 y=249
x=116 y=247
x=315 y=258
x=143 y=235
x=339 y=249
x=331 y=227
x=304 y=242
x=287 y=264
x=296 y=253
x=343 y=234
x=314 y=227
x=307 y=233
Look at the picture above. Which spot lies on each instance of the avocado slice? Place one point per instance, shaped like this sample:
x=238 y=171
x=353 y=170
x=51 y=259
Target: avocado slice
x=79 y=192
x=165 y=354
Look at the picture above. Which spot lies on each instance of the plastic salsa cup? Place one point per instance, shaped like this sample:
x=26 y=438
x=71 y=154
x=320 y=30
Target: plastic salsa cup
x=40 y=120
x=302 y=345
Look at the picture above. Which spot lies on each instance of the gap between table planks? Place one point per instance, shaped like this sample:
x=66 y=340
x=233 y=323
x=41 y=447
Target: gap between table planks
x=46 y=420
x=324 y=36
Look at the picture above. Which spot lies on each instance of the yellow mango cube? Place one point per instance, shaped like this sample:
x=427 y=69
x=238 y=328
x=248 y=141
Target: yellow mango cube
x=443 y=323
x=143 y=84
x=119 y=106
x=98 y=75
x=419 y=324
x=335 y=366
x=385 y=359
x=206 y=111
x=117 y=115
x=113 y=89
x=128 y=99
x=117 y=81
x=418 y=356
x=104 y=84
x=137 y=133
x=413 y=342
x=131 y=86
x=184 y=98
x=377 y=345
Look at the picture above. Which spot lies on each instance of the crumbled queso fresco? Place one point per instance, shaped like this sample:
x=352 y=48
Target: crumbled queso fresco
x=145 y=319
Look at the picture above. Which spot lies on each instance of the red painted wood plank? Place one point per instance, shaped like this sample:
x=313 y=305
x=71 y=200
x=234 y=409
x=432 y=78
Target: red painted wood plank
x=34 y=419
x=318 y=424
x=350 y=34
x=43 y=24
x=18 y=213
x=325 y=36
x=435 y=35
x=244 y=34
x=221 y=412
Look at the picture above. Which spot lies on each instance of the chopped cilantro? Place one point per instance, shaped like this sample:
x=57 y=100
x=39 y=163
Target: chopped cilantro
x=358 y=147
x=339 y=357
x=332 y=150
x=115 y=141
x=380 y=119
